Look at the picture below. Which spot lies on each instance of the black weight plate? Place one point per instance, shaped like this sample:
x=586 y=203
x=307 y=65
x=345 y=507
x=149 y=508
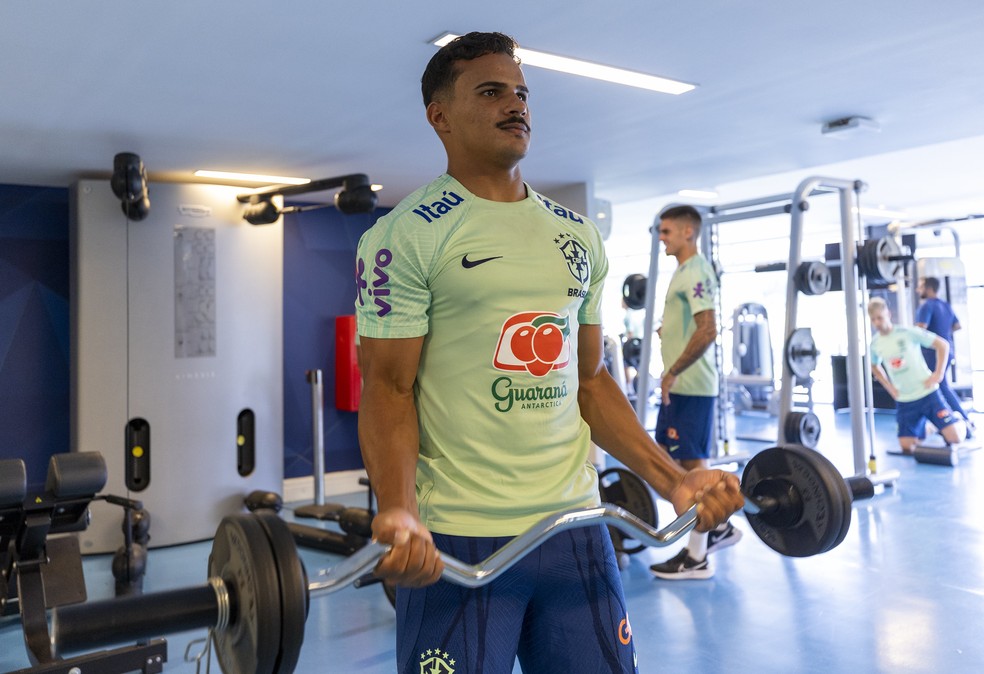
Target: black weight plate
x=867 y=259
x=628 y=491
x=840 y=494
x=813 y=278
x=802 y=428
x=847 y=497
x=874 y=258
x=293 y=590
x=634 y=291
x=887 y=248
x=242 y=557
x=632 y=352
x=835 y=486
x=814 y=520
x=801 y=352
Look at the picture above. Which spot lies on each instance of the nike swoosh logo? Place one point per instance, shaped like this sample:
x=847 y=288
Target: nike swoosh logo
x=468 y=264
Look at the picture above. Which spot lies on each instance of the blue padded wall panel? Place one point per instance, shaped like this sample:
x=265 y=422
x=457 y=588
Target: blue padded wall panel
x=319 y=284
x=34 y=373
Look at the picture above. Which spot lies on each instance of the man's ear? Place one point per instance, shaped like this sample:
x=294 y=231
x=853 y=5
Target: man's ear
x=437 y=116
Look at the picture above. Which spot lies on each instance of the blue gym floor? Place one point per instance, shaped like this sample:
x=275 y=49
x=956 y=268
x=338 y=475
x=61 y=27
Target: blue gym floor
x=904 y=592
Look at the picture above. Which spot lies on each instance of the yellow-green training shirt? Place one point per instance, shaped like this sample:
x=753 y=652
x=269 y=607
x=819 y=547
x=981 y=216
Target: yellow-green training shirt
x=498 y=291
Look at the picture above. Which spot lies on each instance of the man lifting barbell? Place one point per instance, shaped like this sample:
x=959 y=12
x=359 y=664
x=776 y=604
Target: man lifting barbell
x=484 y=386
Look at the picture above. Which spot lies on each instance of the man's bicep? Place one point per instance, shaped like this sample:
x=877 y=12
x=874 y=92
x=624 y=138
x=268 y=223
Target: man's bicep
x=390 y=362
x=590 y=351
x=706 y=319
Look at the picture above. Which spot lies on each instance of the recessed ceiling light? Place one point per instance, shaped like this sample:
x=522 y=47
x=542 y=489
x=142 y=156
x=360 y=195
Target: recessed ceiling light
x=587 y=69
x=849 y=126
x=252 y=177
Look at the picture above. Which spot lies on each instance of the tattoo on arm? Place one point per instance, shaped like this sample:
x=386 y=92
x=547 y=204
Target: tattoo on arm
x=702 y=338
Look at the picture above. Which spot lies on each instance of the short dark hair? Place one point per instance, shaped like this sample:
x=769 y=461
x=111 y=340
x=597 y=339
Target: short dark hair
x=932 y=283
x=440 y=73
x=684 y=212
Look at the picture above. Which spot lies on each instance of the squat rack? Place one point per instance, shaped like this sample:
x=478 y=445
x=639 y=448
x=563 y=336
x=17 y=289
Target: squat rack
x=794 y=204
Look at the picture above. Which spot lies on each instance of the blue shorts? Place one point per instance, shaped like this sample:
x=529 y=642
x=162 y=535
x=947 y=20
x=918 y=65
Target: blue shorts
x=559 y=609
x=912 y=416
x=684 y=426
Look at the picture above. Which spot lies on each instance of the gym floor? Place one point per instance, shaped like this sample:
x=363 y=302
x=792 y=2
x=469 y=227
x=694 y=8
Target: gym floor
x=904 y=592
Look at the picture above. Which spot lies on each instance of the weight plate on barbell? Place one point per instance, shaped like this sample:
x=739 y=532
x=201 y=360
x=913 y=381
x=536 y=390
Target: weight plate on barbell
x=874 y=258
x=847 y=497
x=293 y=590
x=801 y=353
x=627 y=490
x=813 y=278
x=634 y=291
x=802 y=428
x=813 y=505
x=840 y=493
x=242 y=557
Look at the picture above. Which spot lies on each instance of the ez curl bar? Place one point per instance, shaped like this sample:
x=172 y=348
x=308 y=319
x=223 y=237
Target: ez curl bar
x=256 y=599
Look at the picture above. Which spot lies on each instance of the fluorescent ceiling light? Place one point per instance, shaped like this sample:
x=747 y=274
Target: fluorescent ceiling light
x=588 y=69
x=881 y=212
x=698 y=194
x=252 y=178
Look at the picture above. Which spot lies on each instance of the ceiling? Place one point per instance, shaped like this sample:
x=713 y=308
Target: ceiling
x=319 y=89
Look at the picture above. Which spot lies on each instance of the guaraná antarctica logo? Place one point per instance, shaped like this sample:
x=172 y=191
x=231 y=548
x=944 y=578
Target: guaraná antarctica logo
x=533 y=342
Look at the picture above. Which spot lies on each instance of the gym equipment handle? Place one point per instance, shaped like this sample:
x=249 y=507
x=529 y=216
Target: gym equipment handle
x=460 y=573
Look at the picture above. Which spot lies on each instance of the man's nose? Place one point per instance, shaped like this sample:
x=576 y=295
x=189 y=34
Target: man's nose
x=517 y=105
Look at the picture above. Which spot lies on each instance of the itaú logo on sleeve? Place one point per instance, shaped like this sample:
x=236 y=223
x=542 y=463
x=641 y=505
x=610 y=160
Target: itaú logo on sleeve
x=535 y=342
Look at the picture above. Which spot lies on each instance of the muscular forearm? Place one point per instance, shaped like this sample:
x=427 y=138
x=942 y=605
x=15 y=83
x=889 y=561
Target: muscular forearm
x=695 y=348
x=703 y=337
x=389 y=439
x=615 y=428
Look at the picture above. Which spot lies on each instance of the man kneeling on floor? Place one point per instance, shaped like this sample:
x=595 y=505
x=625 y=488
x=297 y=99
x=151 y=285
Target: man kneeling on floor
x=908 y=379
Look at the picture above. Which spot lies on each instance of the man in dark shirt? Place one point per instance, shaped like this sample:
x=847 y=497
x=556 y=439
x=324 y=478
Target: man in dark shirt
x=936 y=315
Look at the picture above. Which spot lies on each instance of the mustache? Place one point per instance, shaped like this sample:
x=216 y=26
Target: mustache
x=514 y=120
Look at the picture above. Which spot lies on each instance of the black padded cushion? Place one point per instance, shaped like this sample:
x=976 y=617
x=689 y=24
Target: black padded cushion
x=76 y=474
x=13 y=482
